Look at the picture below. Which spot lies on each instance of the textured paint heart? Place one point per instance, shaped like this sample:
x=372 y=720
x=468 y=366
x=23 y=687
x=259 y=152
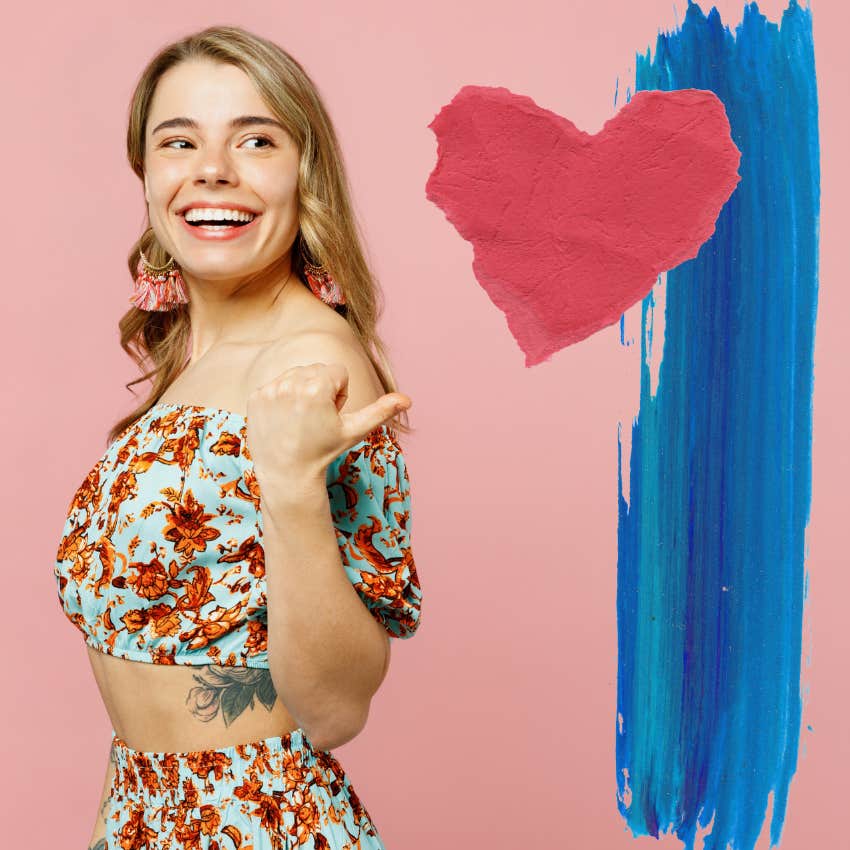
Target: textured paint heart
x=570 y=229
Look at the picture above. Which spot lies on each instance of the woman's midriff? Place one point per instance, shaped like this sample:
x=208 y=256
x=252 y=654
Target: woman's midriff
x=183 y=708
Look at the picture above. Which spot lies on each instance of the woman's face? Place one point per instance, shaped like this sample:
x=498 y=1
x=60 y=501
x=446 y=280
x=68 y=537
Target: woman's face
x=216 y=161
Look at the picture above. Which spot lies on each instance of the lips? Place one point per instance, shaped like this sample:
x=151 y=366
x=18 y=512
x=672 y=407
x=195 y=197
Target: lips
x=215 y=205
x=213 y=222
x=220 y=232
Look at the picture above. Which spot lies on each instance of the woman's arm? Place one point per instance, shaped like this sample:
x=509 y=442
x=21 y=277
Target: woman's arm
x=327 y=654
x=98 y=837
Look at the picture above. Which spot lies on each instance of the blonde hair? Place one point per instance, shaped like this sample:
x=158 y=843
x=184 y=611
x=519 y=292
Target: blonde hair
x=327 y=223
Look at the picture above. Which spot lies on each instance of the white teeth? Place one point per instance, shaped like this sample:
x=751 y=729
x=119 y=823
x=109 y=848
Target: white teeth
x=201 y=214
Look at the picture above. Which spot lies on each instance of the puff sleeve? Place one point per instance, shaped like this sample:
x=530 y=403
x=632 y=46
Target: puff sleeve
x=369 y=493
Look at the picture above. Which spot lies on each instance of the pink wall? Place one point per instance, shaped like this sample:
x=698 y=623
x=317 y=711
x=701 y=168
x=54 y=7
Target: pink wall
x=496 y=724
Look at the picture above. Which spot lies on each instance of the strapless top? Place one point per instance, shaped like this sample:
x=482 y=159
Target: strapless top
x=161 y=557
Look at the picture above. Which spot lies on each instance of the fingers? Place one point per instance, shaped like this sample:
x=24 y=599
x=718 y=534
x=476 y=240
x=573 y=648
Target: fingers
x=311 y=379
x=359 y=423
x=309 y=387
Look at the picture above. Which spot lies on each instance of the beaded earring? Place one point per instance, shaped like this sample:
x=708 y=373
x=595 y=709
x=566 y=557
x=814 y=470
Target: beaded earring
x=158 y=288
x=320 y=281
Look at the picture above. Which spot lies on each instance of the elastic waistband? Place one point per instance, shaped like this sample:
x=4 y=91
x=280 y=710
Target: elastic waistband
x=213 y=776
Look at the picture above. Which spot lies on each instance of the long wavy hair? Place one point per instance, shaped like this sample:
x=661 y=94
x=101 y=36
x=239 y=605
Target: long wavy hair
x=159 y=341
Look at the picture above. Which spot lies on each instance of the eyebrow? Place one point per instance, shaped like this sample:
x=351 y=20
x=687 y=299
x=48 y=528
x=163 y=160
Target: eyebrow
x=241 y=121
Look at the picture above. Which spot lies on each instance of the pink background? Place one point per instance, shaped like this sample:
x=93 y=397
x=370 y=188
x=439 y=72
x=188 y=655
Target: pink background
x=496 y=723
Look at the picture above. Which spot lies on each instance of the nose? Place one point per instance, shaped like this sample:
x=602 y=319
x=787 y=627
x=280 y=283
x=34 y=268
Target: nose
x=213 y=178
x=215 y=168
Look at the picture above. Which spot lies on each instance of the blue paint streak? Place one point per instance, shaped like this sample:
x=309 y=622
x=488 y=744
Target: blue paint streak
x=711 y=579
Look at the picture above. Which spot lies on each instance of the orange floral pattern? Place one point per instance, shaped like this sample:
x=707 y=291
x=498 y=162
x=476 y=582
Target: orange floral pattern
x=275 y=794
x=161 y=556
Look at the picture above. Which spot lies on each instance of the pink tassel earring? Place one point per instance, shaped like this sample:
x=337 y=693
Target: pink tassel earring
x=321 y=283
x=158 y=288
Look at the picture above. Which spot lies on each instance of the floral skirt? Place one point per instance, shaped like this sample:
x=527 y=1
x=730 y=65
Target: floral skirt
x=273 y=794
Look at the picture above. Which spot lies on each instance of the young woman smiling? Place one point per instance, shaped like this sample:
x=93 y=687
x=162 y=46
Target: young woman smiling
x=240 y=556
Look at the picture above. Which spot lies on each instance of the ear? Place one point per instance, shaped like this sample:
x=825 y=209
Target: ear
x=145 y=180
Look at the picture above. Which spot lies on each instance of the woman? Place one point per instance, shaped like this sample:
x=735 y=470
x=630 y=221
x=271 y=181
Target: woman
x=240 y=556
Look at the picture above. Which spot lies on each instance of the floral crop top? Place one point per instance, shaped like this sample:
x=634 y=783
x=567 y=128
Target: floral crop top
x=161 y=556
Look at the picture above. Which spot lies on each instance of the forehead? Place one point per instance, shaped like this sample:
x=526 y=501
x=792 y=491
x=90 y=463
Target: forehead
x=210 y=92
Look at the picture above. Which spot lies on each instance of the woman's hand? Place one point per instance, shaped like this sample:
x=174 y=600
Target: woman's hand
x=295 y=428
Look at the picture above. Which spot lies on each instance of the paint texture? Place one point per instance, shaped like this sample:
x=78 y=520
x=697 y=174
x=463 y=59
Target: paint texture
x=571 y=229
x=711 y=545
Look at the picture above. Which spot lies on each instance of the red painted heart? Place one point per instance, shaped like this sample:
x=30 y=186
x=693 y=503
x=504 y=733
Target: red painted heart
x=570 y=230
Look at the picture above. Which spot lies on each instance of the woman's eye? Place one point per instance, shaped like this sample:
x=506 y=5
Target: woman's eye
x=260 y=139
x=251 y=139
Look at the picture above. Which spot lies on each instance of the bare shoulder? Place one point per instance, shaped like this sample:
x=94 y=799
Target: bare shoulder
x=330 y=344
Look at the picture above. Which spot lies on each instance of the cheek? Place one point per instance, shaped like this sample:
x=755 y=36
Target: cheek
x=164 y=184
x=278 y=191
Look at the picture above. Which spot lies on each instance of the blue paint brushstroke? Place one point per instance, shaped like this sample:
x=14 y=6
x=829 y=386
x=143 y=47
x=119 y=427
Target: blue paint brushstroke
x=711 y=581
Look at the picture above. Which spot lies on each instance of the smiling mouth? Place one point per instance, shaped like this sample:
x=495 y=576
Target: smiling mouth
x=219 y=229
x=217 y=225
